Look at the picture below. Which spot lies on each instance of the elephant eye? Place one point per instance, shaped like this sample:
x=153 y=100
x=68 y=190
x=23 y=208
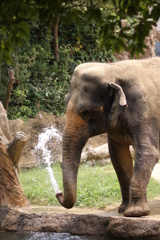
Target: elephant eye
x=89 y=113
x=85 y=113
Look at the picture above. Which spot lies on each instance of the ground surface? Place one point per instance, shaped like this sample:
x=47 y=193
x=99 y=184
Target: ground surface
x=110 y=210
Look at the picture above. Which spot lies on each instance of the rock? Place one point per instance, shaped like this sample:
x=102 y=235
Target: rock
x=4 y=128
x=100 y=154
x=108 y=224
x=156 y=172
x=33 y=127
x=91 y=154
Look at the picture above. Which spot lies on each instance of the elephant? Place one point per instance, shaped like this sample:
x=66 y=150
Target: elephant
x=121 y=99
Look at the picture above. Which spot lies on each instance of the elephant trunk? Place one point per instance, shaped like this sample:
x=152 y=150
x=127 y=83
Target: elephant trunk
x=73 y=142
x=68 y=198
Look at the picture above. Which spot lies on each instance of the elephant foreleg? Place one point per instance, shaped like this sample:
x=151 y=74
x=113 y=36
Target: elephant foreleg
x=123 y=165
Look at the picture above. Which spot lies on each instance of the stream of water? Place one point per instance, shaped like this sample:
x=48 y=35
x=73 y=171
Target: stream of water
x=43 y=151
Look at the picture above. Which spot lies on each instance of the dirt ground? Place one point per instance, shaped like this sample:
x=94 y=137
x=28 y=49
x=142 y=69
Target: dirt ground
x=111 y=209
x=33 y=127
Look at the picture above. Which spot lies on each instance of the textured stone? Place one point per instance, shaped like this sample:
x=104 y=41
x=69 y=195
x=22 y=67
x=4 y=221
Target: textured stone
x=107 y=224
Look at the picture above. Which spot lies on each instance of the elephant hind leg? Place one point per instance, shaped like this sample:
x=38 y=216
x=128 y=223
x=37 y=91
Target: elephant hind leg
x=123 y=165
x=146 y=156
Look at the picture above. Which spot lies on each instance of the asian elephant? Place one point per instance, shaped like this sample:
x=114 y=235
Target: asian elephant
x=123 y=100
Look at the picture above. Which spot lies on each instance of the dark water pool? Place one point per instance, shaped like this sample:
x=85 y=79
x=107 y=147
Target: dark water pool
x=46 y=236
x=58 y=236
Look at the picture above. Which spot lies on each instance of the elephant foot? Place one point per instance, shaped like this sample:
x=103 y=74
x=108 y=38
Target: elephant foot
x=123 y=206
x=137 y=209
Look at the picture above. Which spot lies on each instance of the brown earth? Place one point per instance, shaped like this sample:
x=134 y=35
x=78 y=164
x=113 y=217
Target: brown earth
x=33 y=127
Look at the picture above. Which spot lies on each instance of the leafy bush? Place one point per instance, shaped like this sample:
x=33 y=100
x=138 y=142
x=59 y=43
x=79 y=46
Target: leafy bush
x=41 y=82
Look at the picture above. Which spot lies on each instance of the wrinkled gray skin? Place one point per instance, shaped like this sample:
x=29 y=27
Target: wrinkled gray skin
x=123 y=100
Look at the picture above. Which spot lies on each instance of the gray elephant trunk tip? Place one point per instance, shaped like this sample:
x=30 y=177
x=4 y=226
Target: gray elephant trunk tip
x=60 y=197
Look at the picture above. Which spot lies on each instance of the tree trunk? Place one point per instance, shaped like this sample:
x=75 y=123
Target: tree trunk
x=9 y=88
x=55 y=39
x=11 y=192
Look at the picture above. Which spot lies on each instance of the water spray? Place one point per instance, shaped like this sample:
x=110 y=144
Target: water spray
x=44 y=142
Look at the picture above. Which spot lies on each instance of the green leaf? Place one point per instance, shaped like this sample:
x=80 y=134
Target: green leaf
x=155 y=13
x=94 y=13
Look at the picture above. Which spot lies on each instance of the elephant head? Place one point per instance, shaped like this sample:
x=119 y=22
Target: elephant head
x=93 y=107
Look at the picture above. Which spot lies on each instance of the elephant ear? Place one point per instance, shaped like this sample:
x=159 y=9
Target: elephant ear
x=118 y=104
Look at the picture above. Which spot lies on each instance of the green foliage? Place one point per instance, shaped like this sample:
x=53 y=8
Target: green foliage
x=97 y=186
x=41 y=82
x=16 y=18
x=83 y=43
x=14 y=25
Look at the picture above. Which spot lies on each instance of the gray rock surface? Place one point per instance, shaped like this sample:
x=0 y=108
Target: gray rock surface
x=99 y=223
